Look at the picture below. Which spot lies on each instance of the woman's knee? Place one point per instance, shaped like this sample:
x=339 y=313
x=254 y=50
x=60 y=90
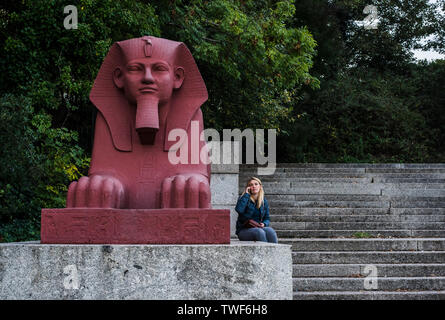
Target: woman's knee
x=259 y=233
x=252 y=234
x=271 y=234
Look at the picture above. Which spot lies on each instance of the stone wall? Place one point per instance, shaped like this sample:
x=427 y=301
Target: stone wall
x=241 y=270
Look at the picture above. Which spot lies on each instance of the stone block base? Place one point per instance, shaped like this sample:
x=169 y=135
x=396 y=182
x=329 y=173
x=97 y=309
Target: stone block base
x=241 y=270
x=135 y=226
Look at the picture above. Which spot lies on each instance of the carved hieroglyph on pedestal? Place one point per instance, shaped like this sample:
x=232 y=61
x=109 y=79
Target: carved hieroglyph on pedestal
x=145 y=88
x=134 y=226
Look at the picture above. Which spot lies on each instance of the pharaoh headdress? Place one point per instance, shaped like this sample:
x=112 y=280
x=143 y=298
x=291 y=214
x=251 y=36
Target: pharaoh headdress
x=115 y=108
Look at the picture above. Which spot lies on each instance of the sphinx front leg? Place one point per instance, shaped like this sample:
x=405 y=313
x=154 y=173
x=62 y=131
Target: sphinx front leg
x=186 y=191
x=97 y=191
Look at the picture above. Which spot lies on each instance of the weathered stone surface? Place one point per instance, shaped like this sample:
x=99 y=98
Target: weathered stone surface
x=225 y=168
x=241 y=270
x=224 y=187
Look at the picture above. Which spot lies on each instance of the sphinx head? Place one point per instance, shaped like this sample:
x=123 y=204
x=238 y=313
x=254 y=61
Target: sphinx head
x=147 y=73
x=148 y=81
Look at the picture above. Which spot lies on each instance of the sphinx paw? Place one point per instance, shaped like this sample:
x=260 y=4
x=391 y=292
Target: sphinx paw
x=95 y=192
x=186 y=191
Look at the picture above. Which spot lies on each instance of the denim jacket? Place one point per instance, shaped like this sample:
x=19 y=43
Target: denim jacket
x=247 y=210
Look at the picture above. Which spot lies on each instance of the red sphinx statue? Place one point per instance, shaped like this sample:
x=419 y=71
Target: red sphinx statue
x=145 y=88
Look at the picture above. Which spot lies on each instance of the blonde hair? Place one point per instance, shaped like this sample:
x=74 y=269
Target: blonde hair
x=260 y=199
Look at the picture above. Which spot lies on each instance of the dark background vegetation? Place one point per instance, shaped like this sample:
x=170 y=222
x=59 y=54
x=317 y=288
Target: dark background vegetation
x=334 y=91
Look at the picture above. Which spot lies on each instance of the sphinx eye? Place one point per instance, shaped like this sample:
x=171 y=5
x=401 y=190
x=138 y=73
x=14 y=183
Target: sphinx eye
x=134 y=67
x=160 y=67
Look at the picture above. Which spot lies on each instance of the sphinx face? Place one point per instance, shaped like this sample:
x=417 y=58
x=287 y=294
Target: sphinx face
x=148 y=76
x=148 y=83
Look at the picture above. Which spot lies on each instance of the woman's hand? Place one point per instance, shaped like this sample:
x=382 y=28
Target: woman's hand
x=262 y=225
x=247 y=190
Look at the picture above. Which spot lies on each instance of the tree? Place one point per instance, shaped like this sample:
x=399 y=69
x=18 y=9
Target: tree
x=252 y=61
x=367 y=72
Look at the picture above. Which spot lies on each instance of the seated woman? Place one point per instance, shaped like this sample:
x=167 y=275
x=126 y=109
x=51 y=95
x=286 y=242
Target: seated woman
x=253 y=206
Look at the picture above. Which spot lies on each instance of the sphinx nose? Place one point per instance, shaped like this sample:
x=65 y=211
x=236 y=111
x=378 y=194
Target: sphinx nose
x=148 y=76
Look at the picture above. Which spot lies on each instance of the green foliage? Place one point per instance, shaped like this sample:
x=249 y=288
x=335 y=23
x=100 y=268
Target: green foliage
x=250 y=58
x=37 y=163
x=46 y=73
x=362 y=235
x=368 y=117
x=253 y=63
x=375 y=103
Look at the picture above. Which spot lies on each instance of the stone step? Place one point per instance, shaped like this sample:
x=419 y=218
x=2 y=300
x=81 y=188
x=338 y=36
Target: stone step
x=319 y=170
x=274 y=186
x=425 y=244
x=406 y=175
x=352 y=192
x=357 y=218
x=352 y=170
x=331 y=189
x=363 y=180
x=354 y=197
x=404 y=170
x=358 y=204
x=427 y=233
x=328 y=184
x=413 y=193
x=356 y=211
x=417 y=204
x=301 y=180
x=341 y=204
x=367 y=257
x=370 y=295
x=336 y=211
x=320 y=175
x=334 y=174
x=358 y=225
x=285 y=234
x=247 y=172
x=357 y=284
x=324 y=197
x=358 y=270
x=417 y=211
x=353 y=165
x=408 y=180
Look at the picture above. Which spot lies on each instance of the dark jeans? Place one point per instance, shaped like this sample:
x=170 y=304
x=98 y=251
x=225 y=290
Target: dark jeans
x=266 y=234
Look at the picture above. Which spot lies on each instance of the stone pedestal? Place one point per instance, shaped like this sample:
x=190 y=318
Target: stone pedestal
x=224 y=188
x=135 y=226
x=240 y=270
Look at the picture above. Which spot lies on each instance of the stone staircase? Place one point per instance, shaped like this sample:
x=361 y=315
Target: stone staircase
x=349 y=222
